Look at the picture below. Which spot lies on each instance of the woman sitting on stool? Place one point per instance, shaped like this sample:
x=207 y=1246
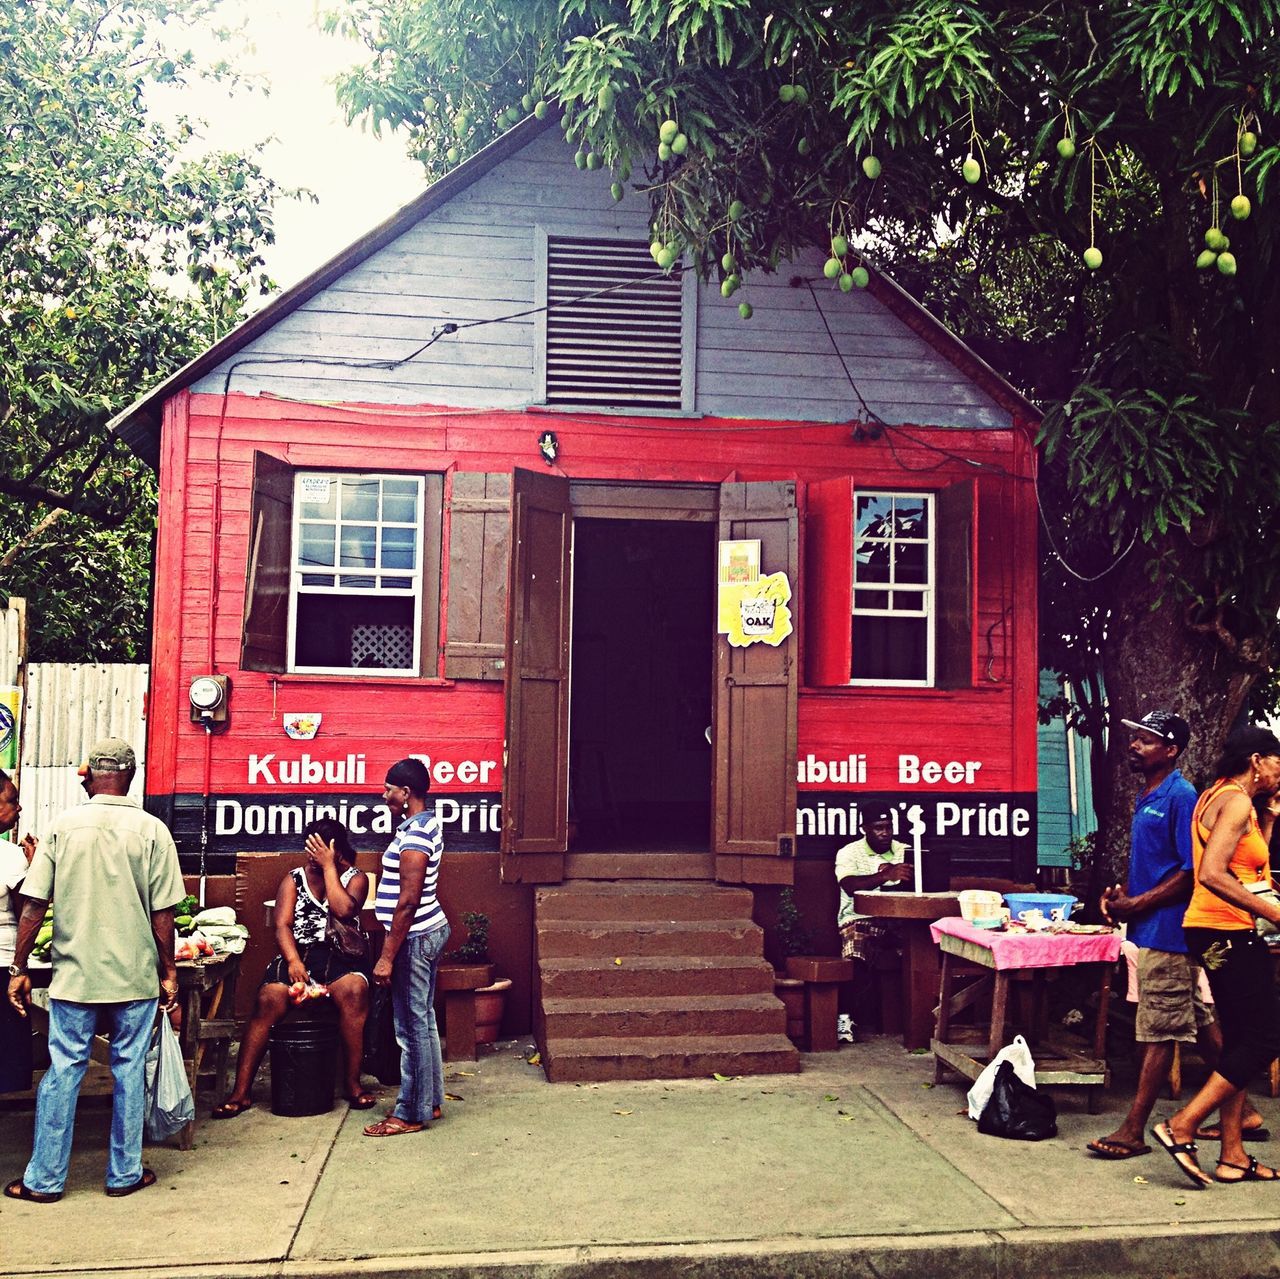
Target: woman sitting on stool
x=327 y=881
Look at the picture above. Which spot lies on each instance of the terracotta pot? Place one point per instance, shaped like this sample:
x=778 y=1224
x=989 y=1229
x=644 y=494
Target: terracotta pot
x=490 y=1002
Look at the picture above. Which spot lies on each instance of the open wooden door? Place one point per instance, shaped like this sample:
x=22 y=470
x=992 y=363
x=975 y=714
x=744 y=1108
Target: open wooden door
x=754 y=728
x=535 y=770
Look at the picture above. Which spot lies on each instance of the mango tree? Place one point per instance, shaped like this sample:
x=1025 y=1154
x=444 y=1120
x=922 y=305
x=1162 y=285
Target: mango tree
x=1086 y=191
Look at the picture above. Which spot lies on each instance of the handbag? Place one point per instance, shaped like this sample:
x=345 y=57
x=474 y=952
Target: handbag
x=346 y=937
x=1264 y=892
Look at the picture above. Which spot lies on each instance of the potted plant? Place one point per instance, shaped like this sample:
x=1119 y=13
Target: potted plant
x=469 y=968
x=816 y=978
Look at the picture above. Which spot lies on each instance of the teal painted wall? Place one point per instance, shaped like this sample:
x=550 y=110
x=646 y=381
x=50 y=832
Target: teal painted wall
x=1065 y=790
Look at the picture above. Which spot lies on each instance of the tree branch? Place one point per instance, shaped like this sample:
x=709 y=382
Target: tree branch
x=10 y=556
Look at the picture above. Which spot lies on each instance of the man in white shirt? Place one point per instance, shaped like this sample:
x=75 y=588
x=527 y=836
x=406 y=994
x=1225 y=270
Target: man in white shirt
x=15 y=1033
x=875 y=861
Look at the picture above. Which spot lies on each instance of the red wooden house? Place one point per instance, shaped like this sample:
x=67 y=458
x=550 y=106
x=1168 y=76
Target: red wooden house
x=470 y=492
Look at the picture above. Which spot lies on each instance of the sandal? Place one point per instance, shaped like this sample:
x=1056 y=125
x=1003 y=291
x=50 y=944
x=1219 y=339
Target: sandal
x=230 y=1109
x=1191 y=1167
x=1250 y=1171
x=1213 y=1132
x=1114 y=1148
x=17 y=1189
x=148 y=1178
x=362 y=1100
x=392 y=1127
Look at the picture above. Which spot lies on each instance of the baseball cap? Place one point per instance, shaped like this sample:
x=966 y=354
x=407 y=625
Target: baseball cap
x=1163 y=724
x=111 y=755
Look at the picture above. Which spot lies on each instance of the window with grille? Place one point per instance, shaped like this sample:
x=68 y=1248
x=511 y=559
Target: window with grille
x=615 y=327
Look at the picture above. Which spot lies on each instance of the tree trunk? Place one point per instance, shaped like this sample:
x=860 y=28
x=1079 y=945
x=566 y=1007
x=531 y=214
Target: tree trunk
x=1155 y=661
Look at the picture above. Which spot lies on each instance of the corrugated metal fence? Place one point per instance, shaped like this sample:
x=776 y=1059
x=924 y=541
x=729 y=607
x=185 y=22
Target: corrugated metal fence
x=67 y=708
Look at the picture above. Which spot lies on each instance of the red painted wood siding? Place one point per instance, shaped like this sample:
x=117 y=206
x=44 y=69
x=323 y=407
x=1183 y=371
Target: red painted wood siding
x=206 y=471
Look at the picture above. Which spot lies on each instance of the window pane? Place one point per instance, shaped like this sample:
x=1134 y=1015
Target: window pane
x=911 y=563
x=871 y=564
x=399 y=548
x=872 y=515
x=908 y=601
x=317 y=497
x=871 y=599
x=890 y=648
x=359 y=498
x=315 y=545
x=397 y=583
x=358 y=632
x=317 y=579
x=358 y=581
x=910 y=517
x=358 y=547
x=400 y=501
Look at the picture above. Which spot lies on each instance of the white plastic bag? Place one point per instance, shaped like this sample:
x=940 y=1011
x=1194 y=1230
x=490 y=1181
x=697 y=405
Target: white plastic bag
x=1023 y=1066
x=170 y=1105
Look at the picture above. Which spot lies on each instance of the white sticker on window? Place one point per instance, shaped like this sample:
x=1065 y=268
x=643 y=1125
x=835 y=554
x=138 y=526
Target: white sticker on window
x=315 y=488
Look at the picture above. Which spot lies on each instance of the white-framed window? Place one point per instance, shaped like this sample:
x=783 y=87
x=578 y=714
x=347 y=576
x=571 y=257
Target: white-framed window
x=894 y=577
x=356 y=573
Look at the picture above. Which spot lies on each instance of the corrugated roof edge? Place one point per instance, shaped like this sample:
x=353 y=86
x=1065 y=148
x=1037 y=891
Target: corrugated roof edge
x=139 y=424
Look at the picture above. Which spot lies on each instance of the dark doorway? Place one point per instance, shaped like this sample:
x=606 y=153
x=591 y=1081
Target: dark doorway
x=640 y=685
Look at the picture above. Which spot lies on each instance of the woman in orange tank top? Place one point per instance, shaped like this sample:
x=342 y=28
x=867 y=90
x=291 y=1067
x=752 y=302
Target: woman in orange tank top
x=1230 y=831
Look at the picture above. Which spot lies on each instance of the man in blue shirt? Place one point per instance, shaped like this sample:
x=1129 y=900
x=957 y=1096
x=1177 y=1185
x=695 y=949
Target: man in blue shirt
x=1161 y=876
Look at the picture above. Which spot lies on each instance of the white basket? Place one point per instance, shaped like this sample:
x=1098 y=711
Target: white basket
x=979 y=903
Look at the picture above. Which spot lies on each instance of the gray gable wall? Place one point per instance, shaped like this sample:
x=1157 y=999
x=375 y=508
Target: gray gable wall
x=474 y=259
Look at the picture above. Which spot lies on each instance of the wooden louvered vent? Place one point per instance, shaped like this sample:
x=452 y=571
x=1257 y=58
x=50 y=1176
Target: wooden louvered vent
x=620 y=348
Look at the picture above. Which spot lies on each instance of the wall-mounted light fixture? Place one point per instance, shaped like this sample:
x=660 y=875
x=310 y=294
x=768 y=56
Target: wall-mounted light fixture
x=549 y=447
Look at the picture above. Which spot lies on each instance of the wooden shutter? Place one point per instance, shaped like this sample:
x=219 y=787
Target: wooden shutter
x=536 y=759
x=264 y=634
x=432 y=532
x=828 y=580
x=754 y=732
x=479 y=509
x=956 y=594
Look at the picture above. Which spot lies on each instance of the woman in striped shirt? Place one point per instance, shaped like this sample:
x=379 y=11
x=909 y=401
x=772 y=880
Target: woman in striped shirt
x=417 y=931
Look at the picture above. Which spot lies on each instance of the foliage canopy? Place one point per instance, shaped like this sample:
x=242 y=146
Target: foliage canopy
x=123 y=251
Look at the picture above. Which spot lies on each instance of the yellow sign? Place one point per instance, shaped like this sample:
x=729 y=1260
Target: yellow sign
x=756 y=612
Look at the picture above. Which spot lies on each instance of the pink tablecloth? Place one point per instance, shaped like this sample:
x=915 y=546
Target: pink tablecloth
x=1034 y=950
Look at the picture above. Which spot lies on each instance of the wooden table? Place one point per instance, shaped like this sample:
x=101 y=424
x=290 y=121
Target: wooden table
x=967 y=1049
x=912 y=913
x=206 y=988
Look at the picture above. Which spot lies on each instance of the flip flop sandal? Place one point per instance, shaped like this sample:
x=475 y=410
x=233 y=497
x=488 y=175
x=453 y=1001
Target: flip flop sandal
x=363 y=1101
x=1111 y=1148
x=1214 y=1133
x=1193 y=1172
x=392 y=1127
x=1250 y=1171
x=230 y=1109
x=18 y=1190
x=148 y=1178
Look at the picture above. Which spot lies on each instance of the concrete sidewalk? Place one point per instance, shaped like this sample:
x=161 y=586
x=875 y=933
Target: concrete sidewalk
x=857 y=1166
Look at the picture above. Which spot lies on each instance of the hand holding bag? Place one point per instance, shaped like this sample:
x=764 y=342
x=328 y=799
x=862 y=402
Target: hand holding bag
x=169 y=1103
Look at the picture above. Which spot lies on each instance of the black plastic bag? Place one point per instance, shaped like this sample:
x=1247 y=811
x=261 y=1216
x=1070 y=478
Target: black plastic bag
x=1017 y=1110
x=381 y=1052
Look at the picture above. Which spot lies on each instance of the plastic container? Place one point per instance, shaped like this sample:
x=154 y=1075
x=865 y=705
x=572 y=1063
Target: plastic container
x=979 y=903
x=1046 y=902
x=304 y=1062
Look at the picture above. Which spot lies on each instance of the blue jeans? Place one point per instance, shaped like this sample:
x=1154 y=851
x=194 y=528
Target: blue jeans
x=413 y=999
x=71 y=1028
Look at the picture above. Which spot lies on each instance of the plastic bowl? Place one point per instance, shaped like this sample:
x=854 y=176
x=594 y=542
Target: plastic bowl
x=995 y=922
x=1019 y=903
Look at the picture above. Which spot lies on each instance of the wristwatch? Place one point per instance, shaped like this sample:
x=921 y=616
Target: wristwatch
x=15 y=971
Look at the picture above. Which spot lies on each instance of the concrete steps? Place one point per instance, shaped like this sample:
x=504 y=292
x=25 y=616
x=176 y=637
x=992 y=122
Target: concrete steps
x=655 y=980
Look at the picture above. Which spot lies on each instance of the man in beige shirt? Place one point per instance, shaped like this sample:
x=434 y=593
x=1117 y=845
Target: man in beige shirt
x=114 y=871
